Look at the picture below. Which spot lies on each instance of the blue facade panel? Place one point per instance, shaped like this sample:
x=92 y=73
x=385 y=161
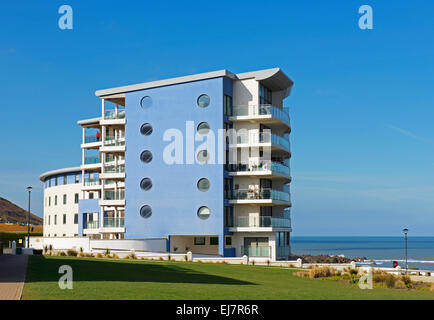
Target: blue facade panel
x=86 y=206
x=174 y=196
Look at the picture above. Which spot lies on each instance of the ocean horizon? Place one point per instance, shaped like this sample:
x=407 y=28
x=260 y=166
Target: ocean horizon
x=379 y=250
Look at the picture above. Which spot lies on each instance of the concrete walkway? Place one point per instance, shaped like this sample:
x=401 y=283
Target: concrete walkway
x=12 y=276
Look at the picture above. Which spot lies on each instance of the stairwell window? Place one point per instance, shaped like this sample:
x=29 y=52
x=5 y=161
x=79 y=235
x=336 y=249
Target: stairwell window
x=264 y=95
x=227 y=105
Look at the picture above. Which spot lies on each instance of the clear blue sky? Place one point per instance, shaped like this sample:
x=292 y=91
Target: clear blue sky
x=361 y=109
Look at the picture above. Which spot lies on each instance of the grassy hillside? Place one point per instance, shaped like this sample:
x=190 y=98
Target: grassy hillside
x=10 y=212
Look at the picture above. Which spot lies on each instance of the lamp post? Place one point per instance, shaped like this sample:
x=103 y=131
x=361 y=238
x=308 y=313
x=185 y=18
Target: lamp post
x=29 y=189
x=405 y=235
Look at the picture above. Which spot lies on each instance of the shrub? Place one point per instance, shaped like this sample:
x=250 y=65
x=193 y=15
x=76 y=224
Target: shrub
x=304 y=274
x=400 y=284
x=320 y=272
x=161 y=259
x=185 y=258
x=132 y=255
x=45 y=249
x=126 y=257
x=390 y=281
x=98 y=255
x=379 y=276
x=169 y=257
x=51 y=247
x=71 y=253
x=107 y=252
x=61 y=254
x=268 y=262
x=253 y=262
x=407 y=281
x=81 y=249
x=115 y=256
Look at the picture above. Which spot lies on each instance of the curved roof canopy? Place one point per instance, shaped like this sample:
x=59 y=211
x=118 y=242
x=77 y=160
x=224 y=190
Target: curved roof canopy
x=274 y=79
x=47 y=174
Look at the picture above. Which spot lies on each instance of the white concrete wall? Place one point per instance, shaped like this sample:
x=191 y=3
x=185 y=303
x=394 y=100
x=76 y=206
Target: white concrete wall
x=70 y=209
x=65 y=243
x=245 y=92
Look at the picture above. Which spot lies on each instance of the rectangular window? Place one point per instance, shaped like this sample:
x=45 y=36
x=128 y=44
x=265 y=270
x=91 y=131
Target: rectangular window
x=49 y=201
x=264 y=95
x=229 y=218
x=76 y=218
x=77 y=178
x=55 y=200
x=49 y=182
x=65 y=180
x=55 y=181
x=227 y=105
x=49 y=220
x=227 y=188
x=90 y=195
x=199 y=241
x=64 y=219
x=214 y=241
x=64 y=199
x=228 y=241
x=55 y=219
x=76 y=198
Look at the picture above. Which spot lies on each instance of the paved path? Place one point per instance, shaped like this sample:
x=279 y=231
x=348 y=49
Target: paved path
x=12 y=276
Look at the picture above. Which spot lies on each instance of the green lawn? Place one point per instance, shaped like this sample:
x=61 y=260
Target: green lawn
x=133 y=279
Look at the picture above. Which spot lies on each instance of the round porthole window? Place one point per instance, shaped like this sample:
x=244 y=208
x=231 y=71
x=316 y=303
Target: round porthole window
x=146 y=156
x=146 y=211
x=203 y=213
x=203 y=128
x=146 y=184
x=146 y=102
x=203 y=156
x=203 y=101
x=146 y=129
x=203 y=184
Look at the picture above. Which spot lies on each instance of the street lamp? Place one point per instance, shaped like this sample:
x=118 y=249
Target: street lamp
x=406 y=264
x=29 y=189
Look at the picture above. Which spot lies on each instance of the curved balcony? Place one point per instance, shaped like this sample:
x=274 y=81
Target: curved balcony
x=263 y=112
x=258 y=223
x=265 y=195
x=263 y=168
x=247 y=139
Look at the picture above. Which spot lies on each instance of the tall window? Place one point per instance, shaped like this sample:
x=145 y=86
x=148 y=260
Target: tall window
x=64 y=219
x=55 y=219
x=55 y=200
x=65 y=180
x=264 y=95
x=76 y=218
x=49 y=201
x=77 y=178
x=55 y=181
x=76 y=198
x=227 y=105
x=227 y=188
x=64 y=199
x=49 y=220
x=229 y=218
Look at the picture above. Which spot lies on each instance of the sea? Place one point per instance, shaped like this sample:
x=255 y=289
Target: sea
x=379 y=251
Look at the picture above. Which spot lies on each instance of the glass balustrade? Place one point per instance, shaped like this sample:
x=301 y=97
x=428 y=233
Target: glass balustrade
x=111 y=141
x=91 y=225
x=263 y=137
x=262 y=222
x=112 y=114
x=258 y=194
x=113 y=222
x=114 y=169
x=92 y=182
x=91 y=160
x=261 y=110
x=261 y=166
x=114 y=195
x=256 y=251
